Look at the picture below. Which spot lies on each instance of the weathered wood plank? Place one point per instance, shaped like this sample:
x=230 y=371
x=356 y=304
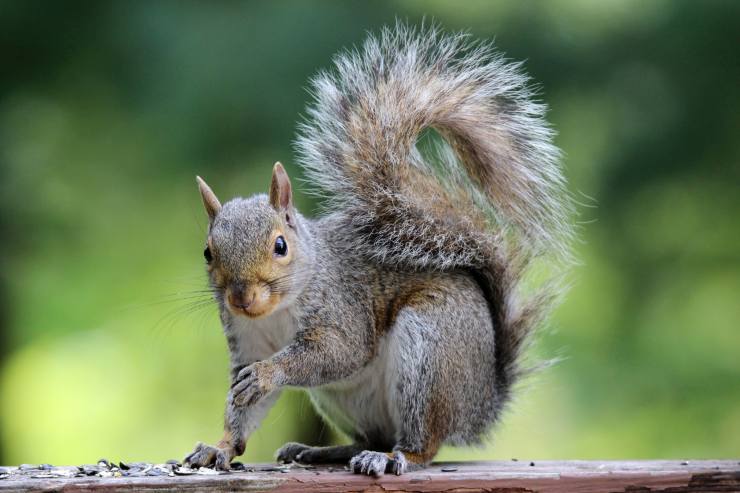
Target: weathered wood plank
x=497 y=476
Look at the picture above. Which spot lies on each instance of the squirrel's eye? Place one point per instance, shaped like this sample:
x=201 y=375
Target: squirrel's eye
x=207 y=255
x=281 y=247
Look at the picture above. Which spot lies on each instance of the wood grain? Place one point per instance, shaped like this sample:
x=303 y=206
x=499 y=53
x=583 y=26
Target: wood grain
x=497 y=476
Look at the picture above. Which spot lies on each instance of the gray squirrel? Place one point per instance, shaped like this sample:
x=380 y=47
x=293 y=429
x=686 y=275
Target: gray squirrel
x=400 y=308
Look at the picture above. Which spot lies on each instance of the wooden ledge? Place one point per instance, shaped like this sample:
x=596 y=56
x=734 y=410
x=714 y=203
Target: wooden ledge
x=497 y=476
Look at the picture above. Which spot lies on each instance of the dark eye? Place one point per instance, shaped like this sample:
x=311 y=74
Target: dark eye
x=281 y=247
x=207 y=255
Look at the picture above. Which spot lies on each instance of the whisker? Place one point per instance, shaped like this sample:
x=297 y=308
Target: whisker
x=174 y=298
x=169 y=319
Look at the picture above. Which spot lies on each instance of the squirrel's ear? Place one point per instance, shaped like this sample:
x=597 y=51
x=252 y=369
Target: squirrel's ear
x=281 y=194
x=210 y=201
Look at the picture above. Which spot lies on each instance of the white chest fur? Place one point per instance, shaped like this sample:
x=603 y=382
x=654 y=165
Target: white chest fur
x=261 y=338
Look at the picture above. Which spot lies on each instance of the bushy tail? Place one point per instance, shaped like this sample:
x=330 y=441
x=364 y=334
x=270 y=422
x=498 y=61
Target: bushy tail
x=491 y=200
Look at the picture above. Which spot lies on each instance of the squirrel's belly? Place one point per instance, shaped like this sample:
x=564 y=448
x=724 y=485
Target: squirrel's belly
x=362 y=406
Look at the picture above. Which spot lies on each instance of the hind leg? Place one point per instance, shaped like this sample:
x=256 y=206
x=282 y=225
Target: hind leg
x=439 y=375
x=413 y=376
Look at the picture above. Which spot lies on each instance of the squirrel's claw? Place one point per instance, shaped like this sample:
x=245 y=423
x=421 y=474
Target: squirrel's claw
x=208 y=456
x=378 y=463
x=370 y=463
x=398 y=465
x=248 y=387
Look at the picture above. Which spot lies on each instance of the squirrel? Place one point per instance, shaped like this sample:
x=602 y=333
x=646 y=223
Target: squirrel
x=400 y=309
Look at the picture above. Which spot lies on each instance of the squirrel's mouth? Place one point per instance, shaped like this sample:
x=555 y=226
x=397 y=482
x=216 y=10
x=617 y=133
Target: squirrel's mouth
x=253 y=313
x=259 y=303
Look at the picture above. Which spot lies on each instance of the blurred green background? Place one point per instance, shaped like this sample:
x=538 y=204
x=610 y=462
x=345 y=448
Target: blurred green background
x=109 y=109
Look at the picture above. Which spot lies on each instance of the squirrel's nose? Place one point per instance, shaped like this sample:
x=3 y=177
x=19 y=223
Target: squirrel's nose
x=242 y=300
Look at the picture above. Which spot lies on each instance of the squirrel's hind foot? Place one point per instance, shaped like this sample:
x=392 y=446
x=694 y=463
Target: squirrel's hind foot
x=338 y=454
x=378 y=463
x=290 y=452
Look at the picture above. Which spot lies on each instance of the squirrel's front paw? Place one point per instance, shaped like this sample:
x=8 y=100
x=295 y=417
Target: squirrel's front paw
x=208 y=456
x=252 y=383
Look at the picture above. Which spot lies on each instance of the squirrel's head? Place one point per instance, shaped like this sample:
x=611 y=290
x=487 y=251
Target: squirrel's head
x=253 y=254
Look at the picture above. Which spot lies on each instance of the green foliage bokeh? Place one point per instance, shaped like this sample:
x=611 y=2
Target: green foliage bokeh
x=109 y=109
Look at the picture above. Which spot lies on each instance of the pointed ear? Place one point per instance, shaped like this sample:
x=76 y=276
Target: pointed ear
x=281 y=193
x=210 y=201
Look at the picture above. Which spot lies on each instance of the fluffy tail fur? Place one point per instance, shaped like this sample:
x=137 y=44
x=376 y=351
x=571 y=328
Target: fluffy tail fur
x=491 y=200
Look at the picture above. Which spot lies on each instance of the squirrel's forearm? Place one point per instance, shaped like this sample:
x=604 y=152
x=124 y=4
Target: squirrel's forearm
x=240 y=422
x=318 y=358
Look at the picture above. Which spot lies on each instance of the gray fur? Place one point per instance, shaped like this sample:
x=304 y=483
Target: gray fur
x=400 y=311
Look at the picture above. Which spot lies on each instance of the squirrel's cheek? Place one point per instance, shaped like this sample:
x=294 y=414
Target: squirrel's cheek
x=262 y=297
